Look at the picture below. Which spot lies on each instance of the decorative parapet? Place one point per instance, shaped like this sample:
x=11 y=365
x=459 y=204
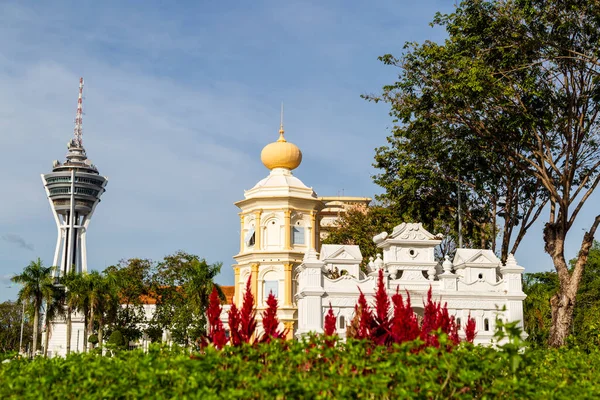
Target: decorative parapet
x=512 y=275
x=409 y=250
x=448 y=279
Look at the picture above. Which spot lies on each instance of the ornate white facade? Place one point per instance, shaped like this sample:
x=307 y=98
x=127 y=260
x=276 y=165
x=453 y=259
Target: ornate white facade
x=476 y=284
x=279 y=241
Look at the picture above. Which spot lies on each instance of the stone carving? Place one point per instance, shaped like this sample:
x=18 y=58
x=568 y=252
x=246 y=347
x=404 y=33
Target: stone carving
x=447 y=265
x=408 y=275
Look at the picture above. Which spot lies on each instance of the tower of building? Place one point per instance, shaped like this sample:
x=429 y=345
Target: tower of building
x=73 y=188
x=279 y=225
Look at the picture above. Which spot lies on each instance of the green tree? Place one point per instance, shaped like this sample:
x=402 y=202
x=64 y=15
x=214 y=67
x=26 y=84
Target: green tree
x=358 y=226
x=521 y=79
x=105 y=302
x=425 y=169
x=537 y=313
x=11 y=314
x=130 y=281
x=76 y=300
x=36 y=281
x=182 y=286
x=54 y=308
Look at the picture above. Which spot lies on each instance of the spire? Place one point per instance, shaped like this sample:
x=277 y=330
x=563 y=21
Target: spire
x=78 y=131
x=281 y=131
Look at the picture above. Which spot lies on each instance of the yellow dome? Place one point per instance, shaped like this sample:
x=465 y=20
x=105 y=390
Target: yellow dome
x=281 y=154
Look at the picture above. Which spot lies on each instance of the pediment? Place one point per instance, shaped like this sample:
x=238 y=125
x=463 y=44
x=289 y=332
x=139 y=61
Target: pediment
x=340 y=252
x=411 y=231
x=475 y=256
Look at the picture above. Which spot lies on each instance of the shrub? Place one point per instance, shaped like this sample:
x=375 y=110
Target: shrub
x=116 y=340
x=93 y=339
x=310 y=369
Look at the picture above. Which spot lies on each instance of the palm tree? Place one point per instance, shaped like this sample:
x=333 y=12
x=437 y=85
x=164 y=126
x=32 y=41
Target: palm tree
x=76 y=300
x=36 y=281
x=103 y=300
x=54 y=309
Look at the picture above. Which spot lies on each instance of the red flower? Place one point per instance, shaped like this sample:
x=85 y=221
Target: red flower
x=234 y=325
x=330 y=322
x=270 y=321
x=404 y=326
x=380 y=332
x=470 y=329
x=216 y=332
x=365 y=317
x=243 y=324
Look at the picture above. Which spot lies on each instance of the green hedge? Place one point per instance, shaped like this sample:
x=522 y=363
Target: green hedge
x=309 y=370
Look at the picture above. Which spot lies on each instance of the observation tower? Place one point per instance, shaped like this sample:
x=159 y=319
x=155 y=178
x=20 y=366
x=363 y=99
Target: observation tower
x=73 y=189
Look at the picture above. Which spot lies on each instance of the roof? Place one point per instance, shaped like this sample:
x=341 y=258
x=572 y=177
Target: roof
x=148 y=299
x=228 y=291
x=280 y=183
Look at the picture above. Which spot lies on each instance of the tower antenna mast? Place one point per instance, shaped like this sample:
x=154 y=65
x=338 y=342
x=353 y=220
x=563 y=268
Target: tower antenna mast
x=78 y=131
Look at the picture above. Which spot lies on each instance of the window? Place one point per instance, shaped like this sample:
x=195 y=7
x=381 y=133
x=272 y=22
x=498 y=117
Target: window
x=271 y=287
x=60 y=191
x=486 y=324
x=458 y=323
x=297 y=235
x=342 y=322
x=250 y=237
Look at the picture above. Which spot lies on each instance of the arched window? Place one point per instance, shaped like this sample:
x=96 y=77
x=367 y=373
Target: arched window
x=486 y=324
x=250 y=237
x=342 y=322
x=270 y=285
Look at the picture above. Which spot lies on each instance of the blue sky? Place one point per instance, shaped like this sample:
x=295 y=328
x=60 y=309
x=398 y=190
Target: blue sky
x=180 y=98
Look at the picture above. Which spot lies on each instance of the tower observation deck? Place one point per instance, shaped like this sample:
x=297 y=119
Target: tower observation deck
x=73 y=188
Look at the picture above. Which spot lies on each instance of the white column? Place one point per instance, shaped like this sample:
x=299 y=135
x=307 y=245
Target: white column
x=310 y=294
x=71 y=237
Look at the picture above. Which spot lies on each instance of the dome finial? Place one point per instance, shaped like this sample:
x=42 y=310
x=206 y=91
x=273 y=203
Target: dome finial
x=281 y=131
x=281 y=154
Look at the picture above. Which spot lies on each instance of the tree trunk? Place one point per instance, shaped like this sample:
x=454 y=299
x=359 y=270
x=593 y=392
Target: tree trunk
x=36 y=327
x=46 y=339
x=100 y=334
x=563 y=302
x=90 y=328
x=85 y=332
x=47 y=333
x=69 y=328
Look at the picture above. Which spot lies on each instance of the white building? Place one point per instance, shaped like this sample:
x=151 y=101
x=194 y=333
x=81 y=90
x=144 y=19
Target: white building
x=278 y=251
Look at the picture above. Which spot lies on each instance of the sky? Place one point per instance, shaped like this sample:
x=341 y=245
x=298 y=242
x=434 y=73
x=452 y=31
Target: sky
x=179 y=100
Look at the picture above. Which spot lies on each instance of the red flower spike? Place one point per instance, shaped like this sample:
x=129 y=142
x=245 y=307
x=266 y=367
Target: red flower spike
x=234 y=326
x=270 y=321
x=365 y=317
x=216 y=332
x=330 y=322
x=247 y=315
x=470 y=329
x=404 y=324
x=380 y=332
